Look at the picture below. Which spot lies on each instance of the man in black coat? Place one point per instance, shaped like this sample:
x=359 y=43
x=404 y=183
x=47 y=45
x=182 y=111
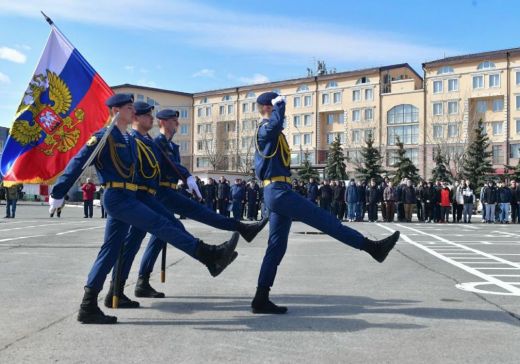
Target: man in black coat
x=223 y=196
x=373 y=197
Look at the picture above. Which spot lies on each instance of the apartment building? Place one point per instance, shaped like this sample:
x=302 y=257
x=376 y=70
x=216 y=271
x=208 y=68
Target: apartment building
x=438 y=110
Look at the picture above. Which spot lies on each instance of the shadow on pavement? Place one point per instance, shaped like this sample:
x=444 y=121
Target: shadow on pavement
x=327 y=313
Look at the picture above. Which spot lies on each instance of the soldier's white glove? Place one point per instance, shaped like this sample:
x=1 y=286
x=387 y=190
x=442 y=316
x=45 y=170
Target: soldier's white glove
x=55 y=203
x=278 y=99
x=193 y=188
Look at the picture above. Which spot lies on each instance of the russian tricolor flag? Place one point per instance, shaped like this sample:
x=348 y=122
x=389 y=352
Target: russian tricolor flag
x=62 y=107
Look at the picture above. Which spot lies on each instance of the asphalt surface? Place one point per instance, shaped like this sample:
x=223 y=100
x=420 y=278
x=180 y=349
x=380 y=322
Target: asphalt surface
x=448 y=293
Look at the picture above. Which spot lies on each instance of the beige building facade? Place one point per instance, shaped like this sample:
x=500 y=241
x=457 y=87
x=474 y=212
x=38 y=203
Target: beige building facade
x=434 y=112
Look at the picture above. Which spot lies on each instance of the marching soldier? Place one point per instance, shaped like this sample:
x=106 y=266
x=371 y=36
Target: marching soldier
x=116 y=166
x=272 y=165
x=168 y=196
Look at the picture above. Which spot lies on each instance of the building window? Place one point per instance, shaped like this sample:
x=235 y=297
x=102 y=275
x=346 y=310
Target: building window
x=494 y=80
x=230 y=109
x=184 y=129
x=246 y=124
x=453 y=107
x=307 y=121
x=498 y=154
x=221 y=110
x=331 y=84
x=497 y=127
x=518 y=77
x=183 y=113
x=253 y=106
x=208 y=111
x=402 y=114
x=517 y=121
x=140 y=97
x=303 y=88
x=296 y=139
x=369 y=114
x=297 y=102
x=307 y=100
x=481 y=106
x=341 y=118
x=325 y=99
x=356 y=115
x=245 y=107
x=226 y=98
x=250 y=95
x=437 y=108
x=362 y=81
x=330 y=119
x=486 y=65
x=514 y=150
x=307 y=139
x=204 y=100
x=356 y=136
x=369 y=135
x=297 y=121
x=517 y=98
x=444 y=70
x=369 y=95
x=498 y=105
x=202 y=162
x=356 y=95
x=407 y=134
x=184 y=146
x=478 y=82
x=411 y=153
x=453 y=130
x=336 y=97
x=438 y=132
x=246 y=142
x=199 y=112
x=229 y=127
x=453 y=85
x=437 y=87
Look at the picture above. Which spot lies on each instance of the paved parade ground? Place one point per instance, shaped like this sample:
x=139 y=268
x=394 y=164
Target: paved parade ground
x=448 y=293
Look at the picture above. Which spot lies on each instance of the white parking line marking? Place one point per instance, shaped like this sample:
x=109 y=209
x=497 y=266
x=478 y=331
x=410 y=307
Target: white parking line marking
x=511 y=289
x=74 y=231
x=20 y=237
x=34 y=226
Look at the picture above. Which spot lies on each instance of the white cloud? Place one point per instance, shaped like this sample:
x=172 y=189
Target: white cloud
x=145 y=82
x=129 y=68
x=255 y=79
x=12 y=55
x=205 y=72
x=4 y=78
x=212 y=27
x=25 y=47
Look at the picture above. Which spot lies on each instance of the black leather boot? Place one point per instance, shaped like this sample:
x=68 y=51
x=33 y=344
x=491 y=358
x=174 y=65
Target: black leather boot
x=144 y=289
x=217 y=257
x=379 y=249
x=89 y=312
x=124 y=301
x=249 y=231
x=262 y=304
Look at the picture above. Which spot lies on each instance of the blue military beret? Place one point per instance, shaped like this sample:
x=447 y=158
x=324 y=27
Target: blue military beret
x=119 y=100
x=167 y=114
x=142 y=107
x=266 y=97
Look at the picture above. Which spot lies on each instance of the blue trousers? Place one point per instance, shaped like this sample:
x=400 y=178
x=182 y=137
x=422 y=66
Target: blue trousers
x=352 y=208
x=284 y=206
x=504 y=211
x=237 y=209
x=184 y=206
x=10 y=208
x=125 y=209
x=490 y=212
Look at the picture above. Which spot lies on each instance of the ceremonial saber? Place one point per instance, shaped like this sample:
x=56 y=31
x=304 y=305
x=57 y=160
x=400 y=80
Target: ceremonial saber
x=117 y=278
x=163 y=263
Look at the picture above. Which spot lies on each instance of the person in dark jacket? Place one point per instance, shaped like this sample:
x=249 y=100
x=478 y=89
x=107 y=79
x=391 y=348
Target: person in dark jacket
x=210 y=194
x=362 y=206
x=400 y=204
x=490 y=199
x=515 y=200
x=238 y=196
x=426 y=201
x=436 y=201
x=409 y=199
x=312 y=191
x=504 y=198
x=352 y=200
x=389 y=196
x=252 y=196
x=373 y=197
x=325 y=196
x=338 y=202
x=223 y=196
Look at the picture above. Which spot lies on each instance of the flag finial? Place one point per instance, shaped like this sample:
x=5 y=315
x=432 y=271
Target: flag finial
x=49 y=20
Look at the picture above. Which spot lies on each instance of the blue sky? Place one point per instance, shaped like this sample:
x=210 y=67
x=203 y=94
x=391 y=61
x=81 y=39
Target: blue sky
x=203 y=45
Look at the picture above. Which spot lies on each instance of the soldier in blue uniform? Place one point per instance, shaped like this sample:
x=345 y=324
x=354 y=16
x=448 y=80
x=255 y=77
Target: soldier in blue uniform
x=272 y=166
x=166 y=159
x=115 y=165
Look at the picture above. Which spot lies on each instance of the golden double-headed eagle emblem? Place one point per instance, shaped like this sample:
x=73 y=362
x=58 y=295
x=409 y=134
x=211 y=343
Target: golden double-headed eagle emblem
x=50 y=116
